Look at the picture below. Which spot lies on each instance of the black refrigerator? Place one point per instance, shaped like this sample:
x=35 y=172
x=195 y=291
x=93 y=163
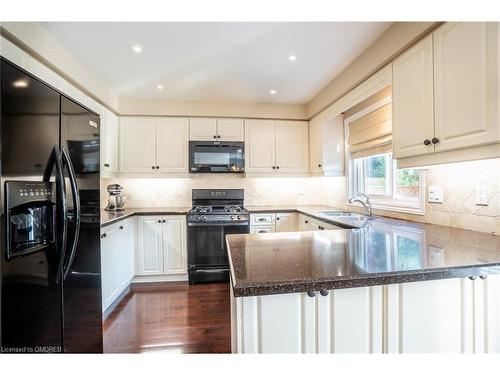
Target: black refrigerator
x=50 y=266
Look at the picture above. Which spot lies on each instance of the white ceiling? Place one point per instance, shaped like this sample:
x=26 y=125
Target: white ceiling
x=238 y=62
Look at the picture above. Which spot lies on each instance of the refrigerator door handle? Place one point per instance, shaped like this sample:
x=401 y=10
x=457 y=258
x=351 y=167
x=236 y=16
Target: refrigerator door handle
x=55 y=160
x=76 y=207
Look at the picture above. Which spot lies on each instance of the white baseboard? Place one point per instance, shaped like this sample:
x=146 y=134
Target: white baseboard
x=160 y=278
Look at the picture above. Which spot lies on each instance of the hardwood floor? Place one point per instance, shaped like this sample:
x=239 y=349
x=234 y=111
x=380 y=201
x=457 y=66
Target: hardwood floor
x=172 y=318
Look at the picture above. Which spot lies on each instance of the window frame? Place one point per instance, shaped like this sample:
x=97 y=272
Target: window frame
x=355 y=175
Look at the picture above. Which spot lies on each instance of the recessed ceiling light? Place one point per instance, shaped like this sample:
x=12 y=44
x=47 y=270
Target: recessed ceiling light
x=292 y=58
x=20 y=83
x=272 y=91
x=159 y=87
x=137 y=48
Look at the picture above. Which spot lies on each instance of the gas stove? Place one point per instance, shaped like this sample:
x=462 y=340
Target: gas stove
x=218 y=214
x=215 y=214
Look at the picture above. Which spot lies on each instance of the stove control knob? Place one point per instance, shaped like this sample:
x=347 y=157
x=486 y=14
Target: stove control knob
x=197 y=217
x=204 y=218
x=238 y=217
x=232 y=217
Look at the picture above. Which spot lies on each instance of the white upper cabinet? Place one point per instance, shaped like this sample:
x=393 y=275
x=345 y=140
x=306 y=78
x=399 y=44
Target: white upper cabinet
x=465 y=84
x=292 y=146
x=326 y=146
x=260 y=155
x=137 y=144
x=109 y=142
x=276 y=146
x=172 y=136
x=153 y=145
x=202 y=129
x=231 y=129
x=210 y=129
x=412 y=98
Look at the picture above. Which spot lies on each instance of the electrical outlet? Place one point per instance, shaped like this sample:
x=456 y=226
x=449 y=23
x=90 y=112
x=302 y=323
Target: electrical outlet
x=435 y=194
x=482 y=195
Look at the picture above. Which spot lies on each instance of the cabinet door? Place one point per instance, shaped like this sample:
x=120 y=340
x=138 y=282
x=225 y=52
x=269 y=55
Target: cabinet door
x=127 y=252
x=487 y=314
x=430 y=317
x=260 y=155
x=174 y=245
x=109 y=270
x=137 y=145
x=292 y=147
x=304 y=223
x=315 y=146
x=202 y=129
x=112 y=142
x=412 y=101
x=465 y=84
x=172 y=137
x=286 y=222
x=150 y=253
x=231 y=129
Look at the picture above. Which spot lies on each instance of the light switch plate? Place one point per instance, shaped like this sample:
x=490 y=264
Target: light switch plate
x=435 y=194
x=482 y=195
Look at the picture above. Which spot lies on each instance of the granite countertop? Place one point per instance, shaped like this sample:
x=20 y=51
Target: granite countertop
x=381 y=251
x=110 y=217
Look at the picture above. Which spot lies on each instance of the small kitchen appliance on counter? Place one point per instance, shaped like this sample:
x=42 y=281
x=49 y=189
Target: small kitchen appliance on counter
x=215 y=213
x=116 y=200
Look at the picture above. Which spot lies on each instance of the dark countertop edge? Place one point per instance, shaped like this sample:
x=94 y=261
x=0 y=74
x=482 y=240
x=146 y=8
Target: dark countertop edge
x=369 y=280
x=134 y=213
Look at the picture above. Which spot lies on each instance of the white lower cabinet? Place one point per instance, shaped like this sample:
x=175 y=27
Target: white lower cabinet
x=161 y=245
x=117 y=259
x=442 y=316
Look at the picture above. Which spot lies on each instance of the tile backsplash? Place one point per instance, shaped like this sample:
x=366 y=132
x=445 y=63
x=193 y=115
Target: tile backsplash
x=459 y=181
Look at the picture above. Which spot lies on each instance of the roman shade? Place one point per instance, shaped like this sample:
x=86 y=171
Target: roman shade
x=371 y=134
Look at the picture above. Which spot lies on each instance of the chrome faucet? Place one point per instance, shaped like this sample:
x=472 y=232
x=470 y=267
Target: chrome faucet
x=366 y=203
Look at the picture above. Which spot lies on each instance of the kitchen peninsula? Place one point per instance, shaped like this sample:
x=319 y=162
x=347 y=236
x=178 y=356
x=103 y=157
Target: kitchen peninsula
x=385 y=286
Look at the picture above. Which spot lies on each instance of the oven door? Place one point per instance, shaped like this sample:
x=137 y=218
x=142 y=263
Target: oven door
x=216 y=157
x=207 y=251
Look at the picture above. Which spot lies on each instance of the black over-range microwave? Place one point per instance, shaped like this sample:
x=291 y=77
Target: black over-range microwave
x=216 y=157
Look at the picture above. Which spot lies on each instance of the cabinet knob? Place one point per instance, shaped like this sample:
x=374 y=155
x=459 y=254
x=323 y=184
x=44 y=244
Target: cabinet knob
x=319 y=165
x=103 y=235
x=311 y=293
x=157 y=167
x=427 y=142
x=215 y=137
x=277 y=218
x=277 y=167
x=218 y=137
x=435 y=140
x=106 y=165
x=153 y=167
x=306 y=221
x=121 y=227
x=274 y=167
x=482 y=277
x=324 y=292
x=164 y=221
x=159 y=221
x=473 y=278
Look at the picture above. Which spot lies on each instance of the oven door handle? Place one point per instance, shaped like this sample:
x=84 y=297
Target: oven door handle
x=55 y=160
x=218 y=224
x=76 y=207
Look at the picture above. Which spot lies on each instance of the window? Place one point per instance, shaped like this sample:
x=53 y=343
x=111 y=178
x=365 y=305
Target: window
x=378 y=177
x=371 y=169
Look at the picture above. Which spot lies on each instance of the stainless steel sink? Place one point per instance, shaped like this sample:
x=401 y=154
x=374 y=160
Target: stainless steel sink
x=343 y=214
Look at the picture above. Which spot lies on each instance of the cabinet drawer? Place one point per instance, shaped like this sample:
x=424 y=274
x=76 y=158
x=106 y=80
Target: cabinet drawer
x=262 y=219
x=262 y=229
